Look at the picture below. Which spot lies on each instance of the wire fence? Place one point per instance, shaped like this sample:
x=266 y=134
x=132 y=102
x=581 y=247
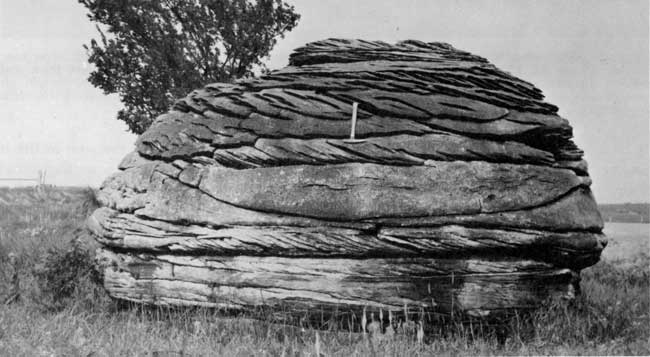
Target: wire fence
x=40 y=180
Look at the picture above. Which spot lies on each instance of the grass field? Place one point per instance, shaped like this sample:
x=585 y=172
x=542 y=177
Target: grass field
x=62 y=312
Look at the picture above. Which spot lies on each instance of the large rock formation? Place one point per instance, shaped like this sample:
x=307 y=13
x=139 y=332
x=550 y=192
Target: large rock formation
x=465 y=193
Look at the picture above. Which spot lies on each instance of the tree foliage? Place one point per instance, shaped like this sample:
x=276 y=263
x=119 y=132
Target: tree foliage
x=151 y=52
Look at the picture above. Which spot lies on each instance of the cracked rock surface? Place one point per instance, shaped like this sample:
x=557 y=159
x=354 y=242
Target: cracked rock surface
x=464 y=193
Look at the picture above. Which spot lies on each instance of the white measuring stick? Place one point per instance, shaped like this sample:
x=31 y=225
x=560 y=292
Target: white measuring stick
x=355 y=105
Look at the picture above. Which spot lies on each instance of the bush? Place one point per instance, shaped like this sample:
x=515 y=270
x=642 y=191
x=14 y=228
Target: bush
x=66 y=274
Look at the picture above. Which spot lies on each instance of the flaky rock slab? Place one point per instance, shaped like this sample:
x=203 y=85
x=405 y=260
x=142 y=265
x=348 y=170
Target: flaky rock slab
x=446 y=285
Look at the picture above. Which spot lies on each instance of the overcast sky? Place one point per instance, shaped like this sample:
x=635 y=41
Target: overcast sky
x=589 y=57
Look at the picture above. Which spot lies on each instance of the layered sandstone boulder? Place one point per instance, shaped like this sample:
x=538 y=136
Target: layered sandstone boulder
x=462 y=191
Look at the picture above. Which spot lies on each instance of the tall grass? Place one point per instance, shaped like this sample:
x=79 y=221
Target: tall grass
x=63 y=312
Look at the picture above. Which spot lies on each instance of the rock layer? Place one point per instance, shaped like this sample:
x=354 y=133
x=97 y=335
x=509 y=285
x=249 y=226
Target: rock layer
x=465 y=192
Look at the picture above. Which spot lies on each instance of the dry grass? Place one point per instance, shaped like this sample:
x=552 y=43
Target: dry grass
x=612 y=316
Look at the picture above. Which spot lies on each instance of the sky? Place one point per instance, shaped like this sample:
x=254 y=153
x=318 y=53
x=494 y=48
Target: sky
x=590 y=58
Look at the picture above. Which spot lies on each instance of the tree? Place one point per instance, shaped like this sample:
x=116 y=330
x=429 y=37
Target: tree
x=152 y=52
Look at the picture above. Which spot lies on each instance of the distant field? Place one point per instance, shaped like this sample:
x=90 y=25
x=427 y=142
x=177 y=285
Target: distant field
x=625 y=212
x=626 y=240
x=61 y=312
x=21 y=196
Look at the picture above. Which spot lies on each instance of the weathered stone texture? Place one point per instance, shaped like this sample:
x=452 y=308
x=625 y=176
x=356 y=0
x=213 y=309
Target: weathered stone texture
x=466 y=193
